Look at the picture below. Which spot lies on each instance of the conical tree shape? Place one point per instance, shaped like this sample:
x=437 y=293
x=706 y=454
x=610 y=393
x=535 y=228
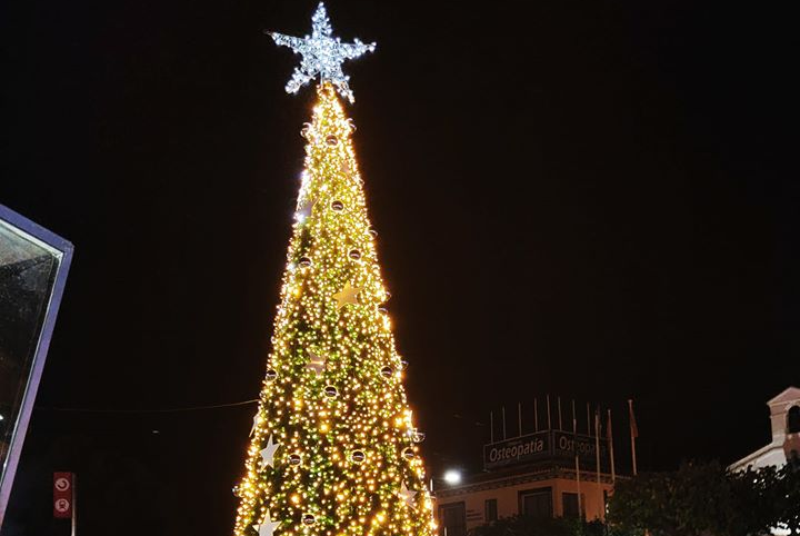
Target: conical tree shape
x=333 y=402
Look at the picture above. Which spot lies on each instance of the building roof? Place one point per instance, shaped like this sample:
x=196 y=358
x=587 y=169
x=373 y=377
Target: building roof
x=753 y=456
x=788 y=395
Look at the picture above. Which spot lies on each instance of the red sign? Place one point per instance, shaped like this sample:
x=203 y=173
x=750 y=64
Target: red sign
x=63 y=495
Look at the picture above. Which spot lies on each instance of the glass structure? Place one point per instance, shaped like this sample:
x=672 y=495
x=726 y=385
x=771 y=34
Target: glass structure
x=33 y=269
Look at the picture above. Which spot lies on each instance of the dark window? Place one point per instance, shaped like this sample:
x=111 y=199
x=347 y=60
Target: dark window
x=491 y=510
x=793 y=420
x=537 y=503
x=453 y=519
x=569 y=503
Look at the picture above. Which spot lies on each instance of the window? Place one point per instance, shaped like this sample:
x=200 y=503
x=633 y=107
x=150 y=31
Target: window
x=453 y=519
x=569 y=505
x=490 y=510
x=793 y=420
x=536 y=503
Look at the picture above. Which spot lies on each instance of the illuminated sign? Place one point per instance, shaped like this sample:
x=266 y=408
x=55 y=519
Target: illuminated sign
x=541 y=446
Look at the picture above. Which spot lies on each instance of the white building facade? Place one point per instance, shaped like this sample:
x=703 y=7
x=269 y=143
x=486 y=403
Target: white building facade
x=784 y=412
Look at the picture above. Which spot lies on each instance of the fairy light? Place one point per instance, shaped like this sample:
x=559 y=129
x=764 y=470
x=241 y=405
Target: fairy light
x=323 y=55
x=347 y=422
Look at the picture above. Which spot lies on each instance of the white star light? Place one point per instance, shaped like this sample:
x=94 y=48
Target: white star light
x=316 y=363
x=267 y=527
x=268 y=454
x=409 y=497
x=305 y=211
x=323 y=55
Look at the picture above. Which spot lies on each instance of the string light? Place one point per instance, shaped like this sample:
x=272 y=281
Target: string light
x=348 y=463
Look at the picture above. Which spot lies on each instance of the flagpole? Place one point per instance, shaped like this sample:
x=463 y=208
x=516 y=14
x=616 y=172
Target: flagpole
x=491 y=427
x=578 y=480
x=549 y=425
x=560 y=425
x=504 y=423
x=634 y=434
x=519 y=417
x=574 y=419
x=611 y=449
x=535 y=415
x=597 y=458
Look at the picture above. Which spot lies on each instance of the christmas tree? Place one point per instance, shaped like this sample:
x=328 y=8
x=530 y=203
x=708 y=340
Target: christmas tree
x=334 y=450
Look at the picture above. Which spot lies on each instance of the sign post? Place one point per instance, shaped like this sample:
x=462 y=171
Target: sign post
x=64 y=498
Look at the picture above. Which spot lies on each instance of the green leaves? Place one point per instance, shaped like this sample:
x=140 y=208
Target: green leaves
x=707 y=500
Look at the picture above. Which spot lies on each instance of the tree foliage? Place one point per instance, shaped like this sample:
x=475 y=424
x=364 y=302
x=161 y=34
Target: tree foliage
x=695 y=500
x=536 y=526
x=708 y=500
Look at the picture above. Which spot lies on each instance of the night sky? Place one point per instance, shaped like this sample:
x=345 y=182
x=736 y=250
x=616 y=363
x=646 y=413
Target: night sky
x=588 y=199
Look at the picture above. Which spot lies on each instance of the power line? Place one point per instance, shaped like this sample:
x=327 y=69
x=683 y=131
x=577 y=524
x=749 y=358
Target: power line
x=158 y=410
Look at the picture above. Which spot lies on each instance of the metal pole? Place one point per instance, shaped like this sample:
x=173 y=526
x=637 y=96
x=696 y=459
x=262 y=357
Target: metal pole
x=597 y=456
x=504 y=423
x=491 y=427
x=549 y=425
x=633 y=439
x=560 y=425
x=611 y=450
x=74 y=504
x=588 y=420
x=535 y=415
x=519 y=417
x=574 y=419
x=578 y=478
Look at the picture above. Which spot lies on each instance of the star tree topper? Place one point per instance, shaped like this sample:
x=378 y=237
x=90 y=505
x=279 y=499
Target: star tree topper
x=323 y=54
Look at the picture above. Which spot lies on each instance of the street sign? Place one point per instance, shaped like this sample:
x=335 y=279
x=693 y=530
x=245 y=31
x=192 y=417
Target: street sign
x=63 y=495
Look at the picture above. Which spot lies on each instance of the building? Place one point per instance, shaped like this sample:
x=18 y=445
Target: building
x=784 y=411
x=533 y=475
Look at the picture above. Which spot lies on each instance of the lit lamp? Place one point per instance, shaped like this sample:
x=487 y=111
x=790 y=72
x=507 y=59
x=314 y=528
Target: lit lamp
x=452 y=477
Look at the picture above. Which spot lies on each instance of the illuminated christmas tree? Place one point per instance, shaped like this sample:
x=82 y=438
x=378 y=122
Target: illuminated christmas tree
x=334 y=450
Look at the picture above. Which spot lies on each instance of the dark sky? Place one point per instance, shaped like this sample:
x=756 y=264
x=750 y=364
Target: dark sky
x=590 y=199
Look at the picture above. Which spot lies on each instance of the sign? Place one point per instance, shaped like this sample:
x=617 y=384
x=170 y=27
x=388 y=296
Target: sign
x=550 y=444
x=63 y=495
x=569 y=444
x=517 y=450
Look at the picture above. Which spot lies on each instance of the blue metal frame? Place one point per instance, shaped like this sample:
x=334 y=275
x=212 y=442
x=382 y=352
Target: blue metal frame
x=65 y=247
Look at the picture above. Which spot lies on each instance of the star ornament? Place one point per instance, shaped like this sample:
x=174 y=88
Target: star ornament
x=316 y=363
x=305 y=210
x=267 y=528
x=256 y=420
x=323 y=55
x=348 y=295
x=408 y=496
x=268 y=453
